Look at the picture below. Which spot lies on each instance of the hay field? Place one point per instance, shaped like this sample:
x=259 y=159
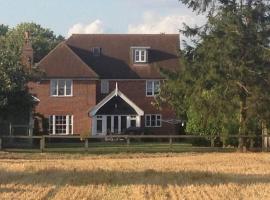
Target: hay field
x=135 y=176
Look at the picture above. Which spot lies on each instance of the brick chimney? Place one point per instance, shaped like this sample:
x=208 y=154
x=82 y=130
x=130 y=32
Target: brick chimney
x=27 y=52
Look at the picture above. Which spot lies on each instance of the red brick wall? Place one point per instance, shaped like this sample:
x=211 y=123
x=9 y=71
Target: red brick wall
x=135 y=90
x=84 y=98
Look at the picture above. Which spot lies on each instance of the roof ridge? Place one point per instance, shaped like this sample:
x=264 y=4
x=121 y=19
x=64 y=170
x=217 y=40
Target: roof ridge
x=88 y=67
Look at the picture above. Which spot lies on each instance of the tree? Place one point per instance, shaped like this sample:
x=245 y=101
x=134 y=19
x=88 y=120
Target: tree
x=3 y=30
x=228 y=62
x=13 y=81
x=43 y=39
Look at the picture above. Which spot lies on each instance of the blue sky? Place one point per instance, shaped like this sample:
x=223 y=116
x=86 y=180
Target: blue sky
x=99 y=16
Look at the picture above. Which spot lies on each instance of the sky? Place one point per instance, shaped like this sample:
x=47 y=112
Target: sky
x=100 y=16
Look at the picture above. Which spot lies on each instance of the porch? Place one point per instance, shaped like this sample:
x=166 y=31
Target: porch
x=114 y=114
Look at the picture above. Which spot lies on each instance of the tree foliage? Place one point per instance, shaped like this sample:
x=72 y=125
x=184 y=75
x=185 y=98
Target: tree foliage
x=43 y=39
x=225 y=74
x=14 y=95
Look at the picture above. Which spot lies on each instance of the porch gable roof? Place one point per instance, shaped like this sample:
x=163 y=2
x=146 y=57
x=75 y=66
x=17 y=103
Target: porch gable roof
x=114 y=93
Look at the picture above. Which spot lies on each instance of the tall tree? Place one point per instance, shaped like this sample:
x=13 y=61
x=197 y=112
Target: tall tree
x=228 y=62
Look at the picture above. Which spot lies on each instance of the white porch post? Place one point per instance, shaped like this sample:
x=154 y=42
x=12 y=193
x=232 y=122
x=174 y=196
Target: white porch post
x=104 y=125
x=112 y=124
x=119 y=123
x=138 y=121
x=94 y=124
x=128 y=121
x=67 y=124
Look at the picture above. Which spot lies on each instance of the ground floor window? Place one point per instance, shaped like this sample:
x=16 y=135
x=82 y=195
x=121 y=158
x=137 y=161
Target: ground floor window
x=61 y=124
x=152 y=120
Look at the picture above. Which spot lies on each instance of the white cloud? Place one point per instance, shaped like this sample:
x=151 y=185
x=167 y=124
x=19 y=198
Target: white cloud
x=96 y=26
x=153 y=23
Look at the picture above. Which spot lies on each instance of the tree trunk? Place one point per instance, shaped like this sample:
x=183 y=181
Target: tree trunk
x=242 y=121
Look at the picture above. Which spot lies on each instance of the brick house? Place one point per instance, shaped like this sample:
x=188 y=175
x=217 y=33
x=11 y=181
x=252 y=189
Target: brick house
x=96 y=84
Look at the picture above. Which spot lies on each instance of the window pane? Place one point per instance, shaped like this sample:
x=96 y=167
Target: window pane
x=99 y=126
x=148 y=120
x=143 y=55
x=54 y=87
x=158 y=120
x=104 y=86
x=156 y=87
x=68 y=87
x=61 y=87
x=149 y=88
x=137 y=55
x=153 y=120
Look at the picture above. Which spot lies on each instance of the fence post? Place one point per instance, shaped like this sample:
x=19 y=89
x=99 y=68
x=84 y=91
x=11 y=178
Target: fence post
x=170 y=142
x=128 y=141
x=86 y=144
x=212 y=142
x=42 y=144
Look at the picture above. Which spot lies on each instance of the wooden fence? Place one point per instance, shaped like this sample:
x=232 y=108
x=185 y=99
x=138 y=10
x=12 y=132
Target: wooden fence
x=265 y=139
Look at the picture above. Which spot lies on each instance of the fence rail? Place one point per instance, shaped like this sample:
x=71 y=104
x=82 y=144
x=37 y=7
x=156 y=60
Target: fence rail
x=265 y=139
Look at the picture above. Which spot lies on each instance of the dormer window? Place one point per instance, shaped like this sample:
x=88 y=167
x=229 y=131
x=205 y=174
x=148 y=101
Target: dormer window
x=140 y=54
x=96 y=51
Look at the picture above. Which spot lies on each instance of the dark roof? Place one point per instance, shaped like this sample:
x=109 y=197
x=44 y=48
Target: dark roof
x=73 y=57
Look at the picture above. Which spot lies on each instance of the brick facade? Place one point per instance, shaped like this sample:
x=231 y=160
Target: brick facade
x=78 y=105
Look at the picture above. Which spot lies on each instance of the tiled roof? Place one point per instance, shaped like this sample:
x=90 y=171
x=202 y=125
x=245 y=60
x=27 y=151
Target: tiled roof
x=73 y=57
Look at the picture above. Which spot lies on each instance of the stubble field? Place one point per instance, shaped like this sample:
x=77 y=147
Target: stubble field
x=135 y=176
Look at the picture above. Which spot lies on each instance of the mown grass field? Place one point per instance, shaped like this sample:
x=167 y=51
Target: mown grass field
x=135 y=176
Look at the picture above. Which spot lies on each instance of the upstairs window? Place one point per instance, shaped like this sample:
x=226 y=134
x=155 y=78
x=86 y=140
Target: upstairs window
x=140 y=54
x=152 y=87
x=96 y=51
x=61 y=87
x=104 y=87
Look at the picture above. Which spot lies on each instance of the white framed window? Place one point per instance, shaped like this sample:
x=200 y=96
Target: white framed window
x=96 y=51
x=140 y=55
x=104 y=86
x=61 y=124
x=61 y=87
x=152 y=120
x=152 y=87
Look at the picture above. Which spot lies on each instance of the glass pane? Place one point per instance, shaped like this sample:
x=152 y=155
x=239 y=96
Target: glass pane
x=156 y=87
x=99 y=126
x=142 y=55
x=137 y=55
x=148 y=120
x=109 y=124
x=149 y=88
x=54 y=87
x=68 y=87
x=123 y=123
x=61 y=87
x=158 y=120
x=153 y=120
x=133 y=123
